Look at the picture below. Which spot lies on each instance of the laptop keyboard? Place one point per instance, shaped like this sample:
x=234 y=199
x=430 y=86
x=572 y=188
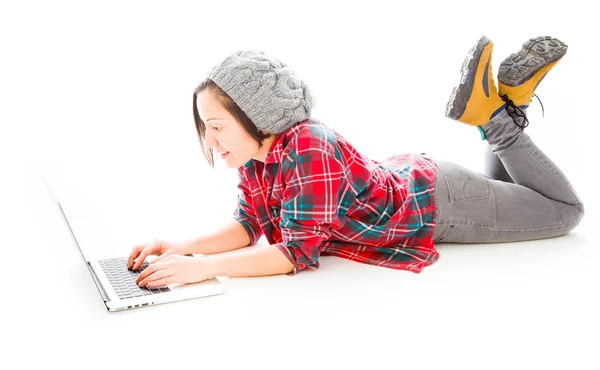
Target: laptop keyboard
x=123 y=280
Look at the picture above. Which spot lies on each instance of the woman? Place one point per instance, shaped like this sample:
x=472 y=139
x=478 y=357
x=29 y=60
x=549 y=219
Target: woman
x=311 y=193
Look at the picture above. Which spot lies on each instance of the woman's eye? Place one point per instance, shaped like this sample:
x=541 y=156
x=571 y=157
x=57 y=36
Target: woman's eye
x=216 y=128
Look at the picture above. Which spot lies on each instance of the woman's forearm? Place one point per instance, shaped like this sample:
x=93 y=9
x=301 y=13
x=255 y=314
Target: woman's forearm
x=258 y=260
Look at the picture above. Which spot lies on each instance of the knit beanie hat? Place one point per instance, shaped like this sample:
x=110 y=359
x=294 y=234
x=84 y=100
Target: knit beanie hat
x=270 y=93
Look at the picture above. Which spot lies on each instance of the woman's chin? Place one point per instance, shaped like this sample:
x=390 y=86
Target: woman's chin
x=232 y=163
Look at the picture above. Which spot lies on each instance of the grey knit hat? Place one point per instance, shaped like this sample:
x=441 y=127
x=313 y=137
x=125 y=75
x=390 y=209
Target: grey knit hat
x=270 y=93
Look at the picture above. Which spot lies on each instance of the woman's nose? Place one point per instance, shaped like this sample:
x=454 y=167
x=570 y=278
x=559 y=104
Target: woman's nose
x=209 y=140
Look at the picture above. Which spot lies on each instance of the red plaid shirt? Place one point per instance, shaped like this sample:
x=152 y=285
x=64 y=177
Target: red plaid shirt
x=316 y=195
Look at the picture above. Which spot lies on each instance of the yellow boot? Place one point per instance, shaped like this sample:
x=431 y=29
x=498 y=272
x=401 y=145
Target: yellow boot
x=521 y=72
x=475 y=100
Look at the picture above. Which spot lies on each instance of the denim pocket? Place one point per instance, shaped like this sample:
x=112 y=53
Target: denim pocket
x=464 y=184
x=468 y=213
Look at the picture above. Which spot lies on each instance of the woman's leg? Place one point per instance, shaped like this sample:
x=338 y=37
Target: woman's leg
x=516 y=82
x=493 y=167
x=474 y=208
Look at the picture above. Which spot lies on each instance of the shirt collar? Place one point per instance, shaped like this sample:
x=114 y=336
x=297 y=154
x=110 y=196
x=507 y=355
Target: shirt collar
x=278 y=145
x=274 y=154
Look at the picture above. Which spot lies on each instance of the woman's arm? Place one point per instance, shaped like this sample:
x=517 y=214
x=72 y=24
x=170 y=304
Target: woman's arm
x=259 y=260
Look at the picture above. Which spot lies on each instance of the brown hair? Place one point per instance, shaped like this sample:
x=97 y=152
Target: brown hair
x=231 y=107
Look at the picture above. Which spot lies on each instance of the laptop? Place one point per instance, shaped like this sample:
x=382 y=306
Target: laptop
x=116 y=284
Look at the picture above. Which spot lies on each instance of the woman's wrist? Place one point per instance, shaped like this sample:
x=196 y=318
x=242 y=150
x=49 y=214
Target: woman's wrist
x=185 y=248
x=208 y=266
x=194 y=246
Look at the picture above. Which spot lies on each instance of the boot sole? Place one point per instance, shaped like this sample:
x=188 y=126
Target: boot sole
x=535 y=54
x=457 y=103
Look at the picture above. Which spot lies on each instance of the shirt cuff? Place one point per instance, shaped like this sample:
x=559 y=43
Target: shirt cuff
x=297 y=266
x=252 y=234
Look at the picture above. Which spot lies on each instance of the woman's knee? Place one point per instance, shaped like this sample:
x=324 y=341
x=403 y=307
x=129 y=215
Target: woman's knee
x=571 y=215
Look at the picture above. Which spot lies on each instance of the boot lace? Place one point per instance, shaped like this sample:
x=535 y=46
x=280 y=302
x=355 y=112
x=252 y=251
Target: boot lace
x=516 y=112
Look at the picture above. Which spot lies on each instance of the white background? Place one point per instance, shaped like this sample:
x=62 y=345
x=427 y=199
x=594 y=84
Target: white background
x=103 y=91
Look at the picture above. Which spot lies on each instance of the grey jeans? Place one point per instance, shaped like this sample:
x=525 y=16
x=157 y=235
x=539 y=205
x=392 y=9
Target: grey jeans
x=522 y=194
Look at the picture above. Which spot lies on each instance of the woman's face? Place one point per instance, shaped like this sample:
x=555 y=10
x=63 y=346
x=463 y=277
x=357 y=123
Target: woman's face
x=226 y=135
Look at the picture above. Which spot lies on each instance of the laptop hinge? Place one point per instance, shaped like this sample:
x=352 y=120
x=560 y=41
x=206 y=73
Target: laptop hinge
x=98 y=284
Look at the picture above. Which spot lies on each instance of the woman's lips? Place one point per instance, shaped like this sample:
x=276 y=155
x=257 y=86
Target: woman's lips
x=224 y=155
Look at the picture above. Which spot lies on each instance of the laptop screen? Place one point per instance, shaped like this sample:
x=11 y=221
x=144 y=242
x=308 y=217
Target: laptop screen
x=52 y=193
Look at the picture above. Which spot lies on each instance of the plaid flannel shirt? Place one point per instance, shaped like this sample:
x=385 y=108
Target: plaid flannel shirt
x=316 y=195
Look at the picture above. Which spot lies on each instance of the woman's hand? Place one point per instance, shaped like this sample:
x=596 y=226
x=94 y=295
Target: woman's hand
x=175 y=269
x=160 y=248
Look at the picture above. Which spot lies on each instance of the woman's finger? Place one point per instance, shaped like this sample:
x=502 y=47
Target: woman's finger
x=148 y=250
x=161 y=257
x=157 y=276
x=134 y=254
x=162 y=282
x=149 y=271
